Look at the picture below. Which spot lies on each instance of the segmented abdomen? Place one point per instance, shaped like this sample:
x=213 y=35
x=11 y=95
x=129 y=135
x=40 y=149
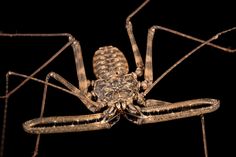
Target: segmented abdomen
x=109 y=61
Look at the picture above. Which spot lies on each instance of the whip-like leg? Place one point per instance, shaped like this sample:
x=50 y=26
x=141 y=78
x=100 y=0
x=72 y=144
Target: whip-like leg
x=204 y=136
x=162 y=110
x=169 y=114
x=8 y=92
x=148 y=67
x=203 y=43
x=90 y=105
x=46 y=63
x=72 y=90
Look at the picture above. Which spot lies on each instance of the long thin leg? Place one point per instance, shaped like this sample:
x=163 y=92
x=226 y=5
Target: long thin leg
x=207 y=42
x=4 y=122
x=148 y=71
x=204 y=136
x=72 y=90
x=9 y=93
x=36 y=148
x=91 y=105
x=129 y=27
x=45 y=63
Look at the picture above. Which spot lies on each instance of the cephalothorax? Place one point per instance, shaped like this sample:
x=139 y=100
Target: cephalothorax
x=116 y=91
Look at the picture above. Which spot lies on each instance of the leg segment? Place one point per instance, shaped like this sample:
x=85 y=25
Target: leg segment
x=28 y=126
x=148 y=71
x=83 y=83
x=72 y=90
x=80 y=72
x=45 y=63
x=204 y=135
x=169 y=114
x=91 y=105
x=148 y=68
x=129 y=27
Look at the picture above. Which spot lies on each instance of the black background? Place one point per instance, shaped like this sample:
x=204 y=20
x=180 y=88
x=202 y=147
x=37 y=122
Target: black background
x=208 y=73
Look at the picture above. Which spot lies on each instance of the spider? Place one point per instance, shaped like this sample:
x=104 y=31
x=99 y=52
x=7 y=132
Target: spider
x=116 y=92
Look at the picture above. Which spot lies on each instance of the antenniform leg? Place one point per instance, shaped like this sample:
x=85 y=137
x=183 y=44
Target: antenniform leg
x=182 y=109
x=8 y=93
x=151 y=33
x=89 y=104
x=43 y=125
x=83 y=83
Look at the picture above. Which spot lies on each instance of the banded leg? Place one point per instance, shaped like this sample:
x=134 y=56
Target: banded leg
x=148 y=72
x=91 y=105
x=65 y=124
x=72 y=90
x=148 y=64
x=8 y=93
x=81 y=74
x=136 y=52
x=71 y=87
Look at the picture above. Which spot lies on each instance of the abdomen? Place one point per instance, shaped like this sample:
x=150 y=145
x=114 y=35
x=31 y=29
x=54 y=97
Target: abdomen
x=109 y=61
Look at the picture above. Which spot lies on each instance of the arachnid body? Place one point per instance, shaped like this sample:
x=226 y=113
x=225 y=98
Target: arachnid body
x=116 y=92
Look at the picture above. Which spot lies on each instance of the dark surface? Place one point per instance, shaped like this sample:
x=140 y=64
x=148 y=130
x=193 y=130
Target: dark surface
x=208 y=73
